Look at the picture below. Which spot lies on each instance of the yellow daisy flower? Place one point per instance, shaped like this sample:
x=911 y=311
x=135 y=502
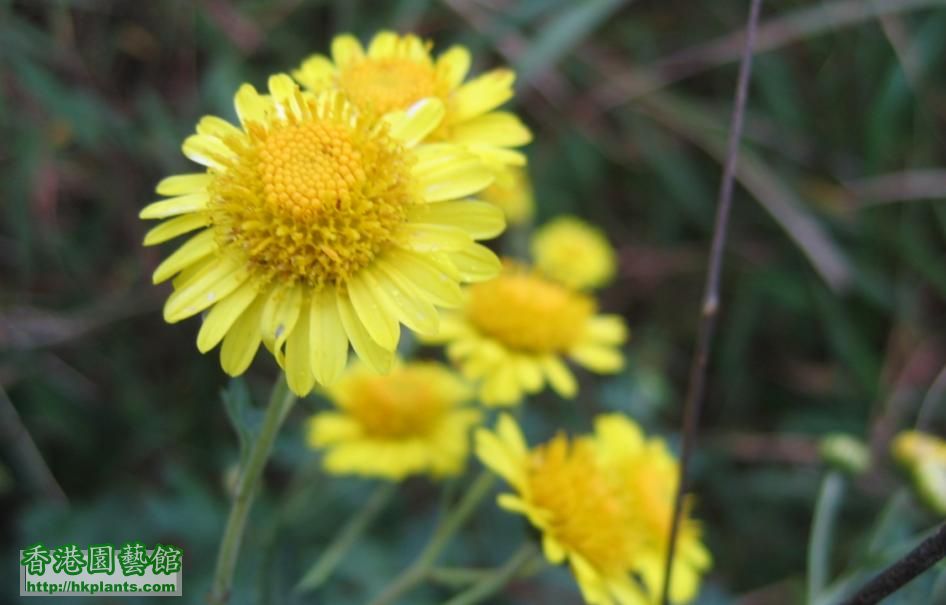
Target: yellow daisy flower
x=575 y=253
x=408 y=422
x=512 y=333
x=584 y=497
x=512 y=192
x=317 y=227
x=395 y=72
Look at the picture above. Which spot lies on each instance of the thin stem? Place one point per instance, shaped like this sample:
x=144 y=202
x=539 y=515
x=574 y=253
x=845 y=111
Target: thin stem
x=701 y=353
x=281 y=401
x=496 y=580
x=822 y=530
x=933 y=397
x=915 y=562
x=347 y=537
x=14 y=433
x=420 y=569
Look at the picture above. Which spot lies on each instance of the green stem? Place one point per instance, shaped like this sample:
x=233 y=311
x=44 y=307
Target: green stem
x=281 y=401
x=449 y=525
x=822 y=531
x=496 y=580
x=346 y=538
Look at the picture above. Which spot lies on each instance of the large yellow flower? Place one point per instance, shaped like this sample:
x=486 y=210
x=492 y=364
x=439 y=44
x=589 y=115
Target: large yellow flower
x=410 y=421
x=395 y=72
x=599 y=505
x=575 y=253
x=317 y=226
x=512 y=192
x=513 y=332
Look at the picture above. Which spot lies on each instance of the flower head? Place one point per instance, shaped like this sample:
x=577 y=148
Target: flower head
x=512 y=192
x=603 y=503
x=575 y=253
x=317 y=226
x=513 y=332
x=395 y=72
x=408 y=422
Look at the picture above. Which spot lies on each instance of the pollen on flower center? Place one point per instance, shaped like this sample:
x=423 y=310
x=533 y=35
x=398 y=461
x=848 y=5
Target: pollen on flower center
x=382 y=85
x=587 y=514
x=309 y=166
x=396 y=406
x=529 y=313
x=313 y=200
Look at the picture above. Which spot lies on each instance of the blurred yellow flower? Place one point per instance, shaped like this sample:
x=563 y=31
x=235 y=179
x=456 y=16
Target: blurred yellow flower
x=411 y=421
x=512 y=192
x=650 y=474
x=600 y=503
x=394 y=72
x=513 y=332
x=317 y=227
x=923 y=457
x=575 y=253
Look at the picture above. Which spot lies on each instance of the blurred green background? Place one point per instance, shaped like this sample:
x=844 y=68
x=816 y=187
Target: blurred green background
x=833 y=314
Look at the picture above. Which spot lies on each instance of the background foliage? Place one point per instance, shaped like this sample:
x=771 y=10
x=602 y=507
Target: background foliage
x=833 y=292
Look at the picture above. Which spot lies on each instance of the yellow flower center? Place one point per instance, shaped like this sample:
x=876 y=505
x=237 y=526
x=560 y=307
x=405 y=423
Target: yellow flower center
x=529 y=313
x=586 y=511
x=396 y=406
x=383 y=85
x=313 y=200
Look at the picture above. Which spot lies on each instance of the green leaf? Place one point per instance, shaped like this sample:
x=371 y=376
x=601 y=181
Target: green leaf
x=562 y=34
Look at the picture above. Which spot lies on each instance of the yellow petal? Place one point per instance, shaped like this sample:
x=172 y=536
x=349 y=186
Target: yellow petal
x=368 y=350
x=279 y=317
x=492 y=453
x=207 y=151
x=412 y=309
x=481 y=220
x=329 y=341
x=419 y=120
x=476 y=263
x=422 y=237
x=250 y=106
x=315 y=73
x=206 y=288
x=286 y=95
x=461 y=177
x=193 y=250
x=299 y=373
x=326 y=428
x=192 y=202
x=224 y=314
x=383 y=45
x=346 y=49
x=218 y=128
x=499 y=128
x=182 y=184
x=560 y=377
x=501 y=386
x=483 y=94
x=372 y=311
x=607 y=330
x=422 y=275
x=604 y=360
x=453 y=65
x=529 y=373
x=176 y=226
x=242 y=340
